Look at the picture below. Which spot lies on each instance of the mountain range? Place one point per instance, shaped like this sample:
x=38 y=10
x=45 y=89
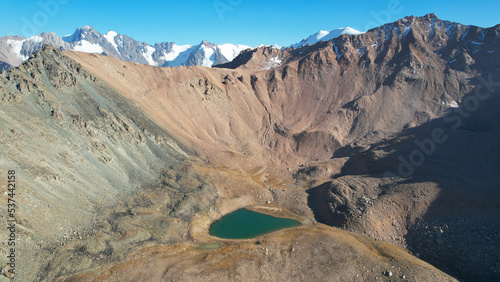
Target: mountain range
x=15 y=49
x=391 y=136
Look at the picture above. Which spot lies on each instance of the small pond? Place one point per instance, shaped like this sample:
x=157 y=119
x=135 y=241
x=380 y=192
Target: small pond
x=244 y=224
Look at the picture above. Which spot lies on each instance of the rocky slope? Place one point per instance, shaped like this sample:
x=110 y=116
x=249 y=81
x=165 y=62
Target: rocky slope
x=80 y=150
x=15 y=49
x=315 y=252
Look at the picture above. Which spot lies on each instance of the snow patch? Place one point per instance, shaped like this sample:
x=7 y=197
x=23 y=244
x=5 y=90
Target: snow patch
x=324 y=35
x=406 y=31
x=68 y=38
x=178 y=55
x=36 y=38
x=17 y=46
x=431 y=27
x=273 y=63
x=110 y=37
x=87 y=47
x=451 y=104
x=207 y=58
x=275 y=46
x=175 y=51
x=148 y=55
x=230 y=51
x=337 y=51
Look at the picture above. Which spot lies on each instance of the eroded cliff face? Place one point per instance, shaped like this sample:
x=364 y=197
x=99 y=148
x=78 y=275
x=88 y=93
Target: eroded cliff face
x=267 y=127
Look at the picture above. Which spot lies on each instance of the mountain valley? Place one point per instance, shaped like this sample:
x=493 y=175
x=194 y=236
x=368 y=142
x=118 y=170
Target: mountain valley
x=383 y=144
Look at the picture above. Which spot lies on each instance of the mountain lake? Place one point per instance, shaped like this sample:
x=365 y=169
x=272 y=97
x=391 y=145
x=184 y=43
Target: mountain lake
x=244 y=224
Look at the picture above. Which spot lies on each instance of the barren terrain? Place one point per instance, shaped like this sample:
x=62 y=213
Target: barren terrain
x=132 y=163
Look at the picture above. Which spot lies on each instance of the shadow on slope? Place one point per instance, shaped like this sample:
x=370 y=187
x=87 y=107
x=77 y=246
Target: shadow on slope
x=435 y=186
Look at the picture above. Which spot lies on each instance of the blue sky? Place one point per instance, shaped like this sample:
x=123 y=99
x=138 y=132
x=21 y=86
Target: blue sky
x=228 y=21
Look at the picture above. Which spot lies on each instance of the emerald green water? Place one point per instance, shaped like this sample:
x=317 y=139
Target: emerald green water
x=244 y=224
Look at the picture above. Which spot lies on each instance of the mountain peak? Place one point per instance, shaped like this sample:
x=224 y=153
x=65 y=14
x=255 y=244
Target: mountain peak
x=431 y=16
x=207 y=43
x=80 y=33
x=86 y=29
x=111 y=33
x=409 y=20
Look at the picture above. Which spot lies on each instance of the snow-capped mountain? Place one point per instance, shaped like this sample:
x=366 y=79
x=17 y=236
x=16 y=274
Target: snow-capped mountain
x=323 y=35
x=14 y=49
